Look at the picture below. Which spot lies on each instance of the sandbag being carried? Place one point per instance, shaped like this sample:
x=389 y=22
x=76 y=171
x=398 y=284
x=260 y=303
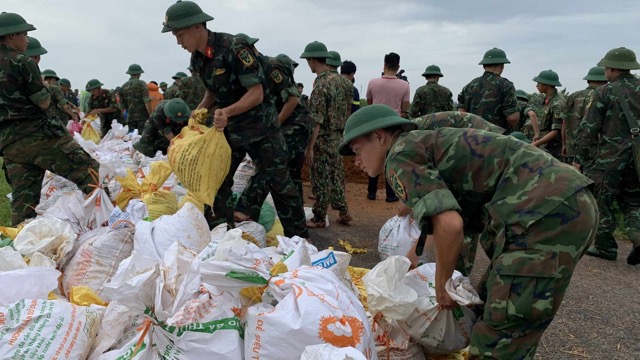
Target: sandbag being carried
x=200 y=157
x=397 y=237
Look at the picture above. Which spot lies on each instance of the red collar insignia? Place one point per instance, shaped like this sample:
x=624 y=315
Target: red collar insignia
x=209 y=52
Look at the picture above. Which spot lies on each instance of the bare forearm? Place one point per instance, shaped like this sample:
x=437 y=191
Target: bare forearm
x=534 y=123
x=447 y=236
x=249 y=100
x=288 y=108
x=550 y=136
x=208 y=101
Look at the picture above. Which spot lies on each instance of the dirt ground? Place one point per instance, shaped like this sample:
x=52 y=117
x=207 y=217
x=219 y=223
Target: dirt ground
x=599 y=317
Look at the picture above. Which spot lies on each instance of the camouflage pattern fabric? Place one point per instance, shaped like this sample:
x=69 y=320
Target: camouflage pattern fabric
x=173 y=91
x=58 y=101
x=576 y=109
x=156 y=129
x=541 y=220
x=524 y=125
x=227 y=69
x=603 y=147
x=345 y=87
x=191 y=90
x=455 y=119
x=551 y=117
x=327 y=108
x=431 y=98
x=134 y=96
x=71 y=97
x=491 y=97
x=106 y=99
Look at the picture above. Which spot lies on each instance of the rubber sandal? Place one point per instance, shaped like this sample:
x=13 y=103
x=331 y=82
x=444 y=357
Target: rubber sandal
x=316 y=225
x=345 y=219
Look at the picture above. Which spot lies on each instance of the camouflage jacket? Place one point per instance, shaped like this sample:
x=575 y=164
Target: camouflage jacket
x=576 y=104
x=155 y=130
x=71 y=97
x=106 y=99
x=282 y=85
x=58 y=101
x=21 y=89
x=491 y=97
x=173 y=91
x=603 y=140
x=326 y=104
x=134 y=96
x=455 y=119
x=431 y=98
x=473 y=171
x=228 y=68
x=346 y=89
x=191 y=90
x=552 y=115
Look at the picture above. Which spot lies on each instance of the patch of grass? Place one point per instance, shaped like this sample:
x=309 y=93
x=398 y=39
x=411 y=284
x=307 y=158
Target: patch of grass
x=5 y=208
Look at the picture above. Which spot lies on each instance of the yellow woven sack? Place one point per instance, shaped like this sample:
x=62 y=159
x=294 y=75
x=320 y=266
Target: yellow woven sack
x=159 y=201
x=200 y=157
x=89 y=133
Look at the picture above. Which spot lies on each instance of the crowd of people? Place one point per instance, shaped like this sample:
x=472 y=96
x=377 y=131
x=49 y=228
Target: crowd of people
x=534 y=183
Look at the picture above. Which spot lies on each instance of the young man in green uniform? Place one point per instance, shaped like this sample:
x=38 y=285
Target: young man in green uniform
x=432 y=97
x=134 y=98
x=167 y=120
x=552 y=114
x=173 y=91
x=102 y=103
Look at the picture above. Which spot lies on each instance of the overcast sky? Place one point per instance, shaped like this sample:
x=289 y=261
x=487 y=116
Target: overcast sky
x=101 y=38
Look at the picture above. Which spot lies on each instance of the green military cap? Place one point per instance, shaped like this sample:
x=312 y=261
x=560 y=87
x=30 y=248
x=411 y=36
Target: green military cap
x=65 y=82
x=286 y=60
x=494 y=56
x=135 y=69
x=179 y=75
x=93 y=84
x=315 y=50
x=596 y=73
x=12 y=23
x=369 y=119
x=548 y=77
x=520 y=136
x=521 y=94
x=183 y=14
x=177 y=110
x=335 y=59
x=248 y=38
x=620 y=58
x=162 y=83
x=432 y=70
x=34 y=48
x=48 y=73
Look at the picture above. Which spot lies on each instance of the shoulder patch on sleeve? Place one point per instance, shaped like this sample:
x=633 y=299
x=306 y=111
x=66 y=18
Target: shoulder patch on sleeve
x=398 y=186
x=246 y=57
x=276 y=75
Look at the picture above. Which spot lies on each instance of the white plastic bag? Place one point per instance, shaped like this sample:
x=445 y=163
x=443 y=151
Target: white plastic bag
x=135 y=211
x=386 y=293
x=97 y=209
x=256 y=230
x=70 y=209
x=330 y=352
x=397 y=237
x=26 y=283
x=50 y=236
x=336 y=261
x=243 y=174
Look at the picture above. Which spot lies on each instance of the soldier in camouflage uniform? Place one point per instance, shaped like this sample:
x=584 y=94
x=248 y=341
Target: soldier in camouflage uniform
x=528 y=124
x=328 y=108
x=432 y=97
x=59 y=106
x=191 y=90
x=163 y=86
x=334 y=63
x=552 y=114
x=604 y=148
x=173 y=91
x=455 y=119
x=576 y=105
x=65 y=86
x=167 y=120
x=134 y=98
x=542 y=217
x=491 y=96
x=235 y=83
x=30 y=141
x=103 y=104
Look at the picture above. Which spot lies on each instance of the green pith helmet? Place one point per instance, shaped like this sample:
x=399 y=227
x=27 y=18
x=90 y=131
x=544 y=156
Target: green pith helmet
x=93 y=84
x=248 y=38
x=135 y=69
x=179 y=75
x=177 y=110
x=620 y=58
x=548 y=77
x=520 y=136
x=286 y=60
x=521 y=94
x=596 y=73
x=163 y=84
x=315 y=50
x=12 y=23
x=34 y=48
x=64 y=82
x=183 y=14
x=48 y=73
x=432 y=70
x=335 y=59
x=368 y=119
x=494 y=56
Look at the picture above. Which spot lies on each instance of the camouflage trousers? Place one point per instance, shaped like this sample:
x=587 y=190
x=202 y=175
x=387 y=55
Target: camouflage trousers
x=251 y=200
x=528 y=276
x=623 y=187
x=467 y=257
x=270 y=156
x=327 y=177
x=27 y=160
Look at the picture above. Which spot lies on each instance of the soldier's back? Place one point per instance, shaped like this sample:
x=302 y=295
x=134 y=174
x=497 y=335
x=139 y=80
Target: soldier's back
x=486 y=95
